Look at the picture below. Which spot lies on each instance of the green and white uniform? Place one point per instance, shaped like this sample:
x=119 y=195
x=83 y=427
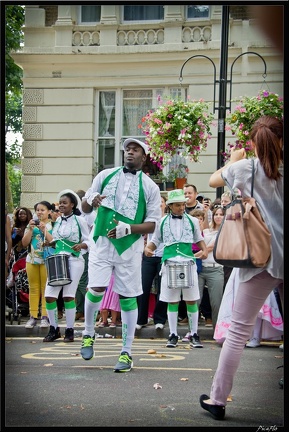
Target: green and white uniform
x=178 y=236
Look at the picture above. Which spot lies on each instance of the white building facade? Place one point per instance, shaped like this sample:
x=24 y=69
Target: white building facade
x=90 y=73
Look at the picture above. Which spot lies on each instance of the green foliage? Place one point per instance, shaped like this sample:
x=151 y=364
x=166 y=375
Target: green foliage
x=169 y=177
x=15 y=175
x=14 y=21
x=250 y=109
x=13 y=113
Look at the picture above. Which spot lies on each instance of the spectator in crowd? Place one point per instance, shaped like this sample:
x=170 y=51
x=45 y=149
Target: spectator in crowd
x=205 y=306
x=212 y=273
x=226 y=198
x=208 y=212
x=34 y=237
x=191 y=194
x=22 y=216
x=8 y=242
x=110 y=306
x=192 y=203
x=269 y=323
x=151 y=267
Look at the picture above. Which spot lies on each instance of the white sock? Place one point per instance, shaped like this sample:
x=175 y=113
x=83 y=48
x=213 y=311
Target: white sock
x=193 y=318
x=53 y=316
x=91 y=309
x=173 y=322
x=129 y=320
x=70 y=317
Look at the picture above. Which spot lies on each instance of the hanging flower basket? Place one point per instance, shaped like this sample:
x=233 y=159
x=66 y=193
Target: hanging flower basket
x=244 y=116
x=179 y=128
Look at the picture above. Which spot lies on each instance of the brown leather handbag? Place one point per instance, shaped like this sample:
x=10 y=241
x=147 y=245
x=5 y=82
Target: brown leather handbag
x=243 y=239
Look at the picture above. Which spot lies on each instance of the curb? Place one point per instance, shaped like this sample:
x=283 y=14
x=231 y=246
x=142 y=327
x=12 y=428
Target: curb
x=149 y=332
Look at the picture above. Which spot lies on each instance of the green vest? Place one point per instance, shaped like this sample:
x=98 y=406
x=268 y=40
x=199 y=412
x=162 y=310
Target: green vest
x=63 y=245
x=104 y=220
x=179 y=248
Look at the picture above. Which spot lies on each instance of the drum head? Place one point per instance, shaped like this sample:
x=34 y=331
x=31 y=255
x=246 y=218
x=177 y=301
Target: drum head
x=179 y=275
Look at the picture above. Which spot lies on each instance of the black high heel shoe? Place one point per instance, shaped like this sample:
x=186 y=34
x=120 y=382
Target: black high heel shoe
x=217 y=411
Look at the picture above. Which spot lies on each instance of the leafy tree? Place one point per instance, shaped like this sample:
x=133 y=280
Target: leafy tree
x=14 y=20
x=15 y=175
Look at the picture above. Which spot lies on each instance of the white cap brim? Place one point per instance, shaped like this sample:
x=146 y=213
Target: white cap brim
x=134 y=140
x=66 y=191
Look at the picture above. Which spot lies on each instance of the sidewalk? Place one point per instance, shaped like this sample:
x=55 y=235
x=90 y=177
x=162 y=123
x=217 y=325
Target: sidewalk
x=148 y=332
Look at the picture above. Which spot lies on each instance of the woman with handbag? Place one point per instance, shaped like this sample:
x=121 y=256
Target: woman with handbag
x=255 y=283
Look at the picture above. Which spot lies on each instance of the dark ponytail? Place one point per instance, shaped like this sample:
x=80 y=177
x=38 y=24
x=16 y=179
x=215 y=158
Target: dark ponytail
x=267 y=136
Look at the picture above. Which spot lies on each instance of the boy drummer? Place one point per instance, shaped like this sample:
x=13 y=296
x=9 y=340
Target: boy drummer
x=178 y=230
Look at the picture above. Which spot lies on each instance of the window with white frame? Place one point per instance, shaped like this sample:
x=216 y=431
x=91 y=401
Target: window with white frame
x=106 y=129
x=198 y=11
x=136 y=104
x=89 y=14
x=130 y=106
x=143 y=12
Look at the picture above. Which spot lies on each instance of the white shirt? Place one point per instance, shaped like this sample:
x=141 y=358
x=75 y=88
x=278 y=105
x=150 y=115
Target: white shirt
x=270 y=198
x=68 y=230
x=209 y=238
x=152 y=198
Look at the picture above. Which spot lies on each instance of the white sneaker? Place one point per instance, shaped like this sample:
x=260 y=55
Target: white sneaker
x=150 y=321
x=139 y=326
x=281 y=347
x=253 y=343
x=187 y=337
x=8 y=310
x=31 y=323
x=159 y=326
x=44 y=322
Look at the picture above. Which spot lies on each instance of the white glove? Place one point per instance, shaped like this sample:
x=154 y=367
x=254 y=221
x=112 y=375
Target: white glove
x=91 y=198
x=122 y=230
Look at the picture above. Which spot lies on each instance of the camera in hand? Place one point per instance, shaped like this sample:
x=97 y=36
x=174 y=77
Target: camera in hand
x=37 y=222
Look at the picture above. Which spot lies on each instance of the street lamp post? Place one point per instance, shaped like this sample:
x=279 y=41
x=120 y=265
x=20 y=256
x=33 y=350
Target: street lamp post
x=223 y=82
x=222 y=91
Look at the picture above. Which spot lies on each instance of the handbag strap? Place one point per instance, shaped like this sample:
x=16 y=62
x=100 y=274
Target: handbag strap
x=252 y=182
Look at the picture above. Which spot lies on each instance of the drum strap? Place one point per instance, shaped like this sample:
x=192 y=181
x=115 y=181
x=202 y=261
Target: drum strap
x=66 y=246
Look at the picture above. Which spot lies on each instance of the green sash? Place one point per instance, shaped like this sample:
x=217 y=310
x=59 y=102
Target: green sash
x=104 y=220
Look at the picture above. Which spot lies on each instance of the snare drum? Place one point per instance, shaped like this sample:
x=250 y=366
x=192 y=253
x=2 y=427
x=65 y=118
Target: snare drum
x=179 y=274
x=58 y=270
